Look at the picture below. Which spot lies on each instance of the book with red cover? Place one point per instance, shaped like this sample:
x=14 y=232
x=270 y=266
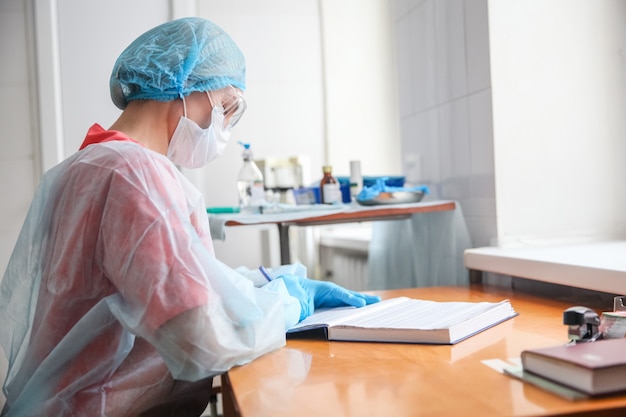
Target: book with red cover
x=594 y=368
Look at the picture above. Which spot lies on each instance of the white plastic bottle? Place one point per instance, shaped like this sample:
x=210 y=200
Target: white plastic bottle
x=356 y=179
x=250 y=183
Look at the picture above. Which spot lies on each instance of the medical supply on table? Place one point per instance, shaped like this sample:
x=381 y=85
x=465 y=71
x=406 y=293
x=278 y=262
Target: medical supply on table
x=330 y=192
x=306 y=196
x=281 y=176
x=250 y=183
x=389 y=180
x=381 y=193
x=311 y=194
x=356 y=179
x=222 y=210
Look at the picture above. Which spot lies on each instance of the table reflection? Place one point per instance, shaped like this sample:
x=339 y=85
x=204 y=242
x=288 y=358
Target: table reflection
x=275 y=381
x=320 y=378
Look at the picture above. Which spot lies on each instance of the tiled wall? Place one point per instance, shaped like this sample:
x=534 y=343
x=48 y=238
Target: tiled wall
x=442 y=56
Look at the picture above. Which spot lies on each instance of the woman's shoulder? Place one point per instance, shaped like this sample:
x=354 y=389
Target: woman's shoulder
x=122 y=155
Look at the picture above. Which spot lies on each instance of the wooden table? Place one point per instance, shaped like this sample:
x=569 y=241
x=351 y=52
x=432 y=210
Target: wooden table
x=333 y=379
x=350 y=215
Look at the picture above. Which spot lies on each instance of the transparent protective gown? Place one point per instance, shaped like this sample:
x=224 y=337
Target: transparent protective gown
x=113 y=301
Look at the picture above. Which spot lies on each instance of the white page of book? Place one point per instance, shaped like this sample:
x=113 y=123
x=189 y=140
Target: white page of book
x=398 y=313
x=337 y=315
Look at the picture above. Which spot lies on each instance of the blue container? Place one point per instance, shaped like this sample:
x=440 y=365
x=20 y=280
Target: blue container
x=397 y=181
x=389 y=181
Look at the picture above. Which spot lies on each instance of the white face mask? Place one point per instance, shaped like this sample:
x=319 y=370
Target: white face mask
x=194 y=147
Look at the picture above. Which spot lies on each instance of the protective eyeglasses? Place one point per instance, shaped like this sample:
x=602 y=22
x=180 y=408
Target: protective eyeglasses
x=232 y=103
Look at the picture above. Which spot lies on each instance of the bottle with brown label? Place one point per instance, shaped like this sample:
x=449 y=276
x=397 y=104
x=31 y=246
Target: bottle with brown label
x=330 y=192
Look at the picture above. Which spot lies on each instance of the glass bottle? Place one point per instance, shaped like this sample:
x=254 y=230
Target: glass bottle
x=250 y=183
x=330 y=192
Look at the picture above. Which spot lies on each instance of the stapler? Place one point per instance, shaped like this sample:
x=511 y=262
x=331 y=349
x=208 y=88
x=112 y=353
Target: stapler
x=583 y=324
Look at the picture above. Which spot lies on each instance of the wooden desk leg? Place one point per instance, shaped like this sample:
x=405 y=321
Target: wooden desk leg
x=283 y=238
x=229 y=404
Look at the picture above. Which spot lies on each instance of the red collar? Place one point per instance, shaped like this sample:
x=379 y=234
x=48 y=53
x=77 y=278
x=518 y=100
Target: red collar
x=97 y=134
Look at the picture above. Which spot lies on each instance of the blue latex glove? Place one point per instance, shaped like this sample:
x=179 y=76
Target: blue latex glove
x=314 y=294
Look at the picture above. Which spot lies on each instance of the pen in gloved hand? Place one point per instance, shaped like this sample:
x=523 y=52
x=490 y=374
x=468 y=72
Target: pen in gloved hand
x=265 y=273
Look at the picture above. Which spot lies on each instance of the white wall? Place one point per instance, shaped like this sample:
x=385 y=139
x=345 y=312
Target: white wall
x=89 y=44
x=444 y=86
x=18 y=175
x=18 y=155
x=319 y=85
x=359 y=87
x=559 y=107
x=281 y=42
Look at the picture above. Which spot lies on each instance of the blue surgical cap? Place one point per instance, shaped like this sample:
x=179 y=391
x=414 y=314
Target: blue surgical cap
x=175 y=59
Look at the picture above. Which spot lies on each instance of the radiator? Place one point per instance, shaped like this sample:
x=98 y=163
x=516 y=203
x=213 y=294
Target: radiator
x=344 y=267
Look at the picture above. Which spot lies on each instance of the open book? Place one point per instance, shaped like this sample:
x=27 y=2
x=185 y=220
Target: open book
x=404 y=320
